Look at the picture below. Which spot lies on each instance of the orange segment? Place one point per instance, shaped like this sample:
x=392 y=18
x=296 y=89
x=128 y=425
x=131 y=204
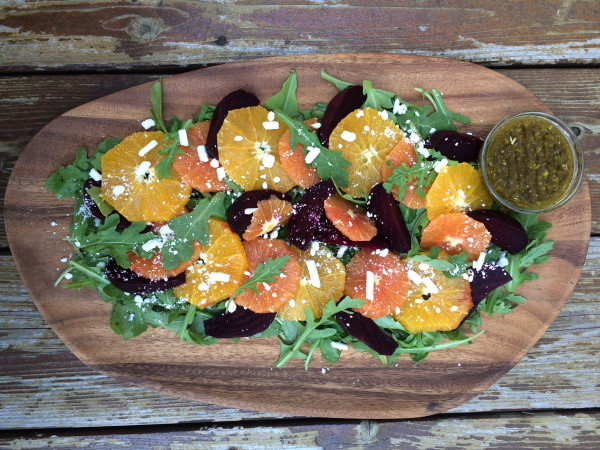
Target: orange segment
x=219 y=271
x=153 y=268
x=365 y=137
x=273 y=296
x=293 y=162
x=434 y=302
x=131 y=185
x=350 y=219
x=315 y=291
x=249 y=151
x=455 y=233
x=403 y=152
x=194 y=167
x=455 y=189
x=379 y=280
x=269 y=215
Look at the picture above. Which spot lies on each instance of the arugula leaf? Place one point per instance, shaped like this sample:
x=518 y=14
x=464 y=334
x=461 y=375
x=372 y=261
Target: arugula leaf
x=107 y=240
x=171 y=150
x=377 y=98
x=96 y=193
x=67 y=181
x=422 y=173
x=455 y=267
x=126 y=319
x=317 y=111
x=314 y=329
x=328 y=163
x=156 y=100
x=441 y=119
x=191 y=227
x=265 y=272
x=285 y=100
x=206 y=113
x=339 y=84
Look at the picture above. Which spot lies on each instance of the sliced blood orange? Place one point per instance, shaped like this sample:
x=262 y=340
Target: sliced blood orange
x=456 y=233
x=273 y=296
x=455 y=189
x=350 y=219
x=322 y=280
x=269 y=215
x=404 y=153
x=218 y=271
x=195 y=167
x=435 y=302
x=248 y=149
x=365 y=137
x=153 y=267
x=130 y=183
x=379 y=278
x=293 y=161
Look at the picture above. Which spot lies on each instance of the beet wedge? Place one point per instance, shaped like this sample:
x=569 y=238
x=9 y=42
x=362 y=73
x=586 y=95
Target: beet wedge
x=240 y=323
x=339 y=107
x=307 y=213
x=234 y=100
x=390 y=225
x=367 y=331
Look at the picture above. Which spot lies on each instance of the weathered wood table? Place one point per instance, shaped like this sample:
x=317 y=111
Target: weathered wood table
x=56 y=55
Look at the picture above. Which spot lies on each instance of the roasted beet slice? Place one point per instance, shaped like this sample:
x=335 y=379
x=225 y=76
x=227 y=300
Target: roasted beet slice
x=237 y=218
x=454 y=145
x=329 y=234
x=507 y=232
x=339 y=107
x=90 y=204
x=307 y=212
x=234 y=100
x=390 y=224
x=240 y=323
x=486 y=279
x=129 y=281
x=367 y=331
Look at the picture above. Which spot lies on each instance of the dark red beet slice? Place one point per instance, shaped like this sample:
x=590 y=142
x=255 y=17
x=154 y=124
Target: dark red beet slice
x=367 y=331
x=339 y=107
x=484 y=281
x=507 y=232
x=237 y=218
x=234 y=100
x=388 y=218
x=306 y=215
x=329 y=234
x=129 y=281
x=240 y=323
x=90 y=204
x=454 y=145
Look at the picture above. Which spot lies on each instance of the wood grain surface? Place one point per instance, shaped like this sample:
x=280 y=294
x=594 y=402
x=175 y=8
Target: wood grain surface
x=72 y=35
x=237 y=374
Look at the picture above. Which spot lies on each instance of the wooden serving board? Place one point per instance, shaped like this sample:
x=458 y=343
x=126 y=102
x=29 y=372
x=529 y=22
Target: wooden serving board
x=240 y=374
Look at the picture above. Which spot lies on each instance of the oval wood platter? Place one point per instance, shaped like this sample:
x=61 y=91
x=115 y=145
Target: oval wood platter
x=240 y=374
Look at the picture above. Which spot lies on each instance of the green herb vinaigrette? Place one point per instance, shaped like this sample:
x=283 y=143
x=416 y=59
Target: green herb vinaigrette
x=529 y=162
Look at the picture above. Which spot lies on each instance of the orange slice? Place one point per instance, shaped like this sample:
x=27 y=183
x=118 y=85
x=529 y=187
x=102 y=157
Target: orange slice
x=404 y=152
x=293 y=162
x=365 y=137
x=269 y=215
x=273 y=296
x=130 y=183
x=153 y=267
x=194 y=167
x=322 y=280
x=248 y=149
x=455 y=233
x=381 y=281
x=455 y=189
x=219 y=270
x=350 y=219
x=435 y=302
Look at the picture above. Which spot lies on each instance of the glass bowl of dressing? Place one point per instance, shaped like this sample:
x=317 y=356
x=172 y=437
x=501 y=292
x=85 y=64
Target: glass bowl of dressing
x=531 y=162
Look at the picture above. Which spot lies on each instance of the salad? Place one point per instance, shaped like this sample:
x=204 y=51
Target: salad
x=361 y=222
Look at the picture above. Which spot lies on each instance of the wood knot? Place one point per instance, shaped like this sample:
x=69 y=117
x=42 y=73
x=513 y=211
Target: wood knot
x=222 y=40
x=145 y=28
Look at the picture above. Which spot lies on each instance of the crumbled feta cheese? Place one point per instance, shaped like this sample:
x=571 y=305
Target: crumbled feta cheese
x=118 y=190
x=95 y=175
x=152 y=244
x=316 y=125
x=214 y=163
x=148 y=123
x=339 y=345
x=313 y=152
x=313 y=273
x=221 y=173
x=439 y=165
x=142 y=169
x=271 y=125
x=268 y=160
x=271 y=116
x=348 y=136
x=414 y=277
x=430 y=285
x=202 y=153
x=341 y=251
x=218 y=277
x=183 y=138
x=370 y=285
x=249 y=210
x=146 y=148
x=238 y=138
